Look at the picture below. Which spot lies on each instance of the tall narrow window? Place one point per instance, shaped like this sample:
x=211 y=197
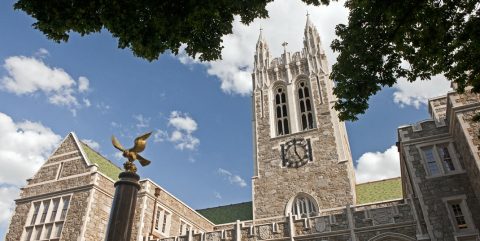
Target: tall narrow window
x=281 y=111
x=36 y=208
x=459 y=216
x=306 y=106
x=430 y=161
x=46 y=205
x=445 y=157
x=157 y=218
x=53 y=215
x=64 y=208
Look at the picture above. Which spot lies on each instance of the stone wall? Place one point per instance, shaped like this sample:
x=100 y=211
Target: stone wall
x=72 y=226
x=363 y=222
x=17 y=222
x=275 y=185
x=145 y=208
x=99 y=213
x=432 y=191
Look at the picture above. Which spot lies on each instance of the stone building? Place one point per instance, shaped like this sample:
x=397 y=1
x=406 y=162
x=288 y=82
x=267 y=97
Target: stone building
x=303 y=182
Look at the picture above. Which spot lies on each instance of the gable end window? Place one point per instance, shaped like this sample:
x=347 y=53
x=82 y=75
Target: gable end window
x=44 y=221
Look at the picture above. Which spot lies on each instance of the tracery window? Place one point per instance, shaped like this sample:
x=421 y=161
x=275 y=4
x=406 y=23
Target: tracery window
x=304 y=206
x=281 y=111
x=306 y=106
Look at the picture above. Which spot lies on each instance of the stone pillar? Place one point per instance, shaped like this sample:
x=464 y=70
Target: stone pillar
x=123 y=207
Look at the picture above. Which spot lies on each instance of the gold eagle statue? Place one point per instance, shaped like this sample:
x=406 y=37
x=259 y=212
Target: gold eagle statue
x=132 y=153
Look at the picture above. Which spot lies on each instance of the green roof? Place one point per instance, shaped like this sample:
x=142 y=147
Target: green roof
x=378 y=191
x=105 y=166
x=228 y=213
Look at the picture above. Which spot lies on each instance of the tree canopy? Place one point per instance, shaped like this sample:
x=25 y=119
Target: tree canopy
x=382 y=42
x=148 y=28
x=411 y=39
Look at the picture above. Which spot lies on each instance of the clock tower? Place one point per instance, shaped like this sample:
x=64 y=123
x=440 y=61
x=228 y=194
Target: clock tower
x=302 y=159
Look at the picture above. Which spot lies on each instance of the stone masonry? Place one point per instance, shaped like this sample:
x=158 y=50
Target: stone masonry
x=329 y=177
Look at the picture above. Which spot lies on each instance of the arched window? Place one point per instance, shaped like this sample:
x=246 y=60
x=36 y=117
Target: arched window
x=306 y=106
x=281 y=111
x=304 y=206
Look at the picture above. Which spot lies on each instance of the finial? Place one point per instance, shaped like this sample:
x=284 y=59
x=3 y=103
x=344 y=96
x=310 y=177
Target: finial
x=284 y=44
x=308 y=14
x=260 y=36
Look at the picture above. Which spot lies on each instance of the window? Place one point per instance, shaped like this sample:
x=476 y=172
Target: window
x=64 y=208
x=439 y=159
x=48 y=226
x=458 y=216
x=53 y=215
x=36 y=208
x=184 y=227
x=46 y=205
x=459 y=213
x=303 y=206
x=281 y=111
x=306 y=106
x=162 y=220
x=430 y=161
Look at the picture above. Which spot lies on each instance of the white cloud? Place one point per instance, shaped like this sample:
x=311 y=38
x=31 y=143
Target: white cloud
x=160 y=136
x=24 y=146
x=217 y=195
x=373 y=166
x=233 y=179
x=182 y=122
x=83 y=84
x=8 y=194
x=42 y=53
x=182 y=135
x=234 y=70
x=418 y=92
x=142 y=122
x=87 y=102
x=91 y=143
x=30 y=75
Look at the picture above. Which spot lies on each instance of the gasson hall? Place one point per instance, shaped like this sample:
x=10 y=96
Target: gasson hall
x=303 y=184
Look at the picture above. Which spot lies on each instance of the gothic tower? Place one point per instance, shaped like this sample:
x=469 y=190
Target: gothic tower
x=302 y=159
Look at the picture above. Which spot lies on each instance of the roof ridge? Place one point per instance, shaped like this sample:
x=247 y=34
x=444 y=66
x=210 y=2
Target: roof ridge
x=225 y=205
x=386 y=179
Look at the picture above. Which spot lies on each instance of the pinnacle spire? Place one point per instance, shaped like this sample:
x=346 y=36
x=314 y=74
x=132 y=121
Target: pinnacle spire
x=309 y=22
x=260 y=36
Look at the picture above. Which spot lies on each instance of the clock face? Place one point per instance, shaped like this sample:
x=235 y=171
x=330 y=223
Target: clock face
x=295 y=153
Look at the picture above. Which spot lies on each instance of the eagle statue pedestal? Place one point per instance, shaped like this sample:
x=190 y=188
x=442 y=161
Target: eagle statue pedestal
x=123 y=207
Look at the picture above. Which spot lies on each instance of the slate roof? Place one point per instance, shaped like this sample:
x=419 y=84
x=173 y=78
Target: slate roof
x=229 y=213
x=368 y=192
x=378 y=191
x=105 y=166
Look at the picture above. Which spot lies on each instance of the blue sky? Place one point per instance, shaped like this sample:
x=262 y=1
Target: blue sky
x=200 y=112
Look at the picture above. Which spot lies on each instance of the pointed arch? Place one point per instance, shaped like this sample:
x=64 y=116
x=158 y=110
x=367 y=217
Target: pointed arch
x=389 y=236
x=305 y=103
x=303 y=205
x=280 y=109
